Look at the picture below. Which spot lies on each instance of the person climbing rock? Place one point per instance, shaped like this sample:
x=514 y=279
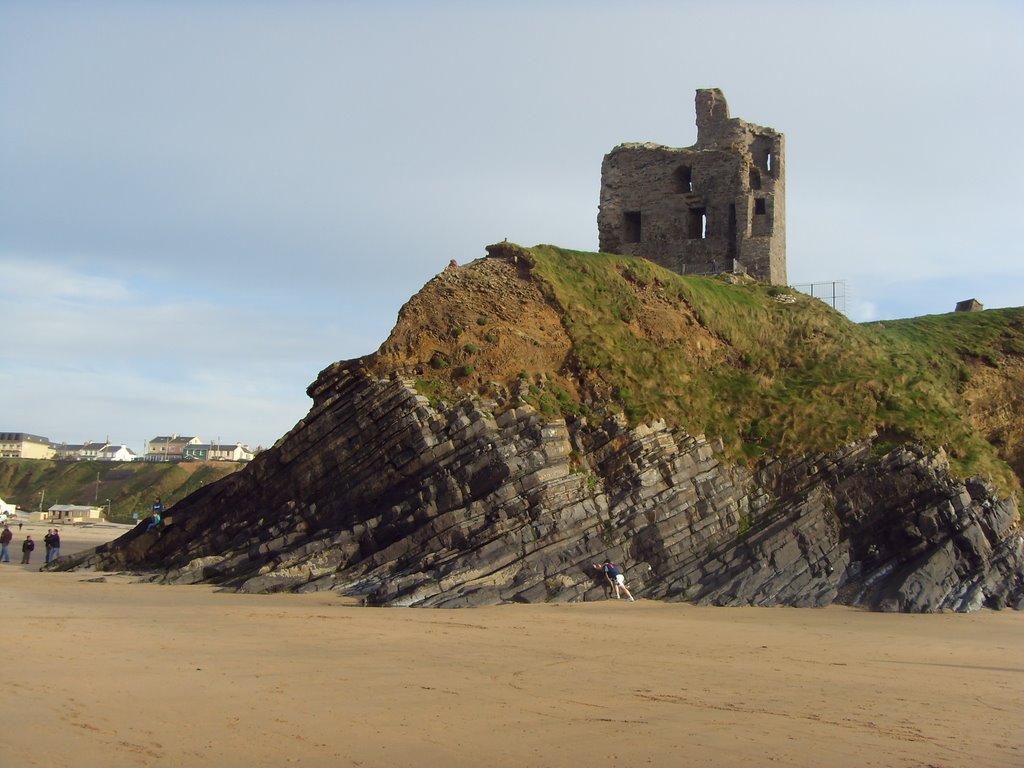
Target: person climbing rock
x=615 y=578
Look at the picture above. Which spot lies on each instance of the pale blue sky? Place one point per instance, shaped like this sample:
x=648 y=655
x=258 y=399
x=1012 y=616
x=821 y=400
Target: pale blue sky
x=202 y=204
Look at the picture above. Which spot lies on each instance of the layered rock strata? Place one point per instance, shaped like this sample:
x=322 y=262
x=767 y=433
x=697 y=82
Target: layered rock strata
x=381 y=495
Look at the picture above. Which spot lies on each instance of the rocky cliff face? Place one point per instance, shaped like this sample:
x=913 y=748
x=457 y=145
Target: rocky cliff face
x=480 y=499
x=378 y=494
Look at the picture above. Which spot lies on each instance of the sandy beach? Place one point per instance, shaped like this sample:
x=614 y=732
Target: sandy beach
x=115 y=673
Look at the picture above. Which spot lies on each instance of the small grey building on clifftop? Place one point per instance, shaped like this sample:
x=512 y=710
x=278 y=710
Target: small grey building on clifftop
x=718 y=206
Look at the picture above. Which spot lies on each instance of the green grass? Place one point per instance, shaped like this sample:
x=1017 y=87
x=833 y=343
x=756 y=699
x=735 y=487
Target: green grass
x=783 y=378
x=436 y=391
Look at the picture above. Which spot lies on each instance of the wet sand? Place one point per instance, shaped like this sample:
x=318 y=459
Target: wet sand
x=116 y=673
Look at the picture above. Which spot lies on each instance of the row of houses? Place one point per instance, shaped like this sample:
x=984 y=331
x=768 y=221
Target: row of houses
x=179 y=448
x=94 y=452
x=21 y=445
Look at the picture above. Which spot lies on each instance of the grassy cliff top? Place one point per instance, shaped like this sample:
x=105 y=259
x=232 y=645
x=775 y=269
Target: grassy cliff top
x=789 y=374
x=768 y=370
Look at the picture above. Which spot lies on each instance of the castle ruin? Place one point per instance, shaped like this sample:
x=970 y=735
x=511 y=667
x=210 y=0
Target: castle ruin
x=717 y=206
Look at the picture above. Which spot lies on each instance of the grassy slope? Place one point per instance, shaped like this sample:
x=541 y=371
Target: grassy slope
x=788 y=378
x=779 y=379
x=130 y=487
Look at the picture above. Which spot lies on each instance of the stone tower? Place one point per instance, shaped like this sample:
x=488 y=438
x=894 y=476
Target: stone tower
x=718 y=206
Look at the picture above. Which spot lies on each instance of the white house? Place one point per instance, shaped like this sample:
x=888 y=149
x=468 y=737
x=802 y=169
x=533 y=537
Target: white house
x=6 y=510
x=240 y=452
x=117 y=453
x=91 y=451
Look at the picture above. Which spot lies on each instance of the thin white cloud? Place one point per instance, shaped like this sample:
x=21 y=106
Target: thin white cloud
x=35 y=282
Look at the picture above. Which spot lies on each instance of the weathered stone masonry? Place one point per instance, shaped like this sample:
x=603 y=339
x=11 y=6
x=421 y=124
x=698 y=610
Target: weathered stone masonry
x=717 y=206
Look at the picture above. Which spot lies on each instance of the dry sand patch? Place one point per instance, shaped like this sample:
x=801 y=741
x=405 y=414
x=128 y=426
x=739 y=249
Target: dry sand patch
x=117 y=673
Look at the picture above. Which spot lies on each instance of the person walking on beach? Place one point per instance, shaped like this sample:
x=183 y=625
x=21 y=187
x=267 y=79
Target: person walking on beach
x=48 y=543
x=5 y=540
x=613 y=574
x=54 y=545
x=26 y=549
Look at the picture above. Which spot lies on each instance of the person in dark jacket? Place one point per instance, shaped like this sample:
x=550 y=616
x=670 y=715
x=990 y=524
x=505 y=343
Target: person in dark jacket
x=5 y=538
x=26 y=549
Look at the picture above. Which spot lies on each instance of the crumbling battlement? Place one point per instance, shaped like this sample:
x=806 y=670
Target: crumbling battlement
x=719 y=205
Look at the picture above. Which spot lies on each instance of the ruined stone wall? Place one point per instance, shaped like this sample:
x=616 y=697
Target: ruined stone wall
x=718 y=205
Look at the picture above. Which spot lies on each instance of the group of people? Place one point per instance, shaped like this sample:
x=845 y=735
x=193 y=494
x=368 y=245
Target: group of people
x=52 y=542
x=28 y=546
